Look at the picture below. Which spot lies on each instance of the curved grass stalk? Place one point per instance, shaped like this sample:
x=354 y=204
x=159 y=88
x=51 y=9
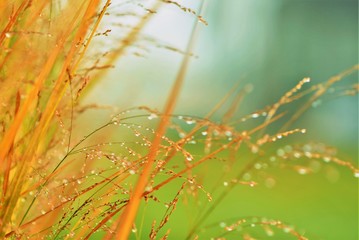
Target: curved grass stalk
x=322 y=88
x=272 y=118
x=71 y=152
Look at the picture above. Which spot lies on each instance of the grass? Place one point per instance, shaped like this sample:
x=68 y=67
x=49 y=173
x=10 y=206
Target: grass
x=59 y=185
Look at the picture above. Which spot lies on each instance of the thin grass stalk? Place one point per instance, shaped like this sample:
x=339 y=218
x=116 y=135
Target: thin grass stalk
x=127 y=41
x=321 y=90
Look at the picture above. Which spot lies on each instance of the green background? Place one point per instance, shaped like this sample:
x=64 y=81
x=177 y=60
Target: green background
x=271 y=45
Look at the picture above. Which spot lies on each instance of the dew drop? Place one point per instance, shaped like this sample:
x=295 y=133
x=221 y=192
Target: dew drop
x=257 y=166
x=316 y=103
x=254 y=149
x=132 y=172
x=269 y=232
x=307 y=148
x=302 y=171
x=204 y=133
x=228 y=133
x=152 y=116
x=190 y=121
x=255 y=115
x=181 y=135
x=222 y=224
x=356 y=174
x=252 y=184
x=247 y=176
x=270 y=182
x=288 y=148
x=115 y=122
x=43 y=212
x=225 y=184
x=308 y=154
x=8 y=35
x=280 y=152
x=229 y=229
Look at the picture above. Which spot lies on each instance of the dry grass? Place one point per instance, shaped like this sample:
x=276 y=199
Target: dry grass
x=56 y=186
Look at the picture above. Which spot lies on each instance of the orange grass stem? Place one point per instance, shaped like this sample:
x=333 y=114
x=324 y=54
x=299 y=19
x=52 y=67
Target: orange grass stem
x=30 y=153
x=13 y=19
x=127 y=218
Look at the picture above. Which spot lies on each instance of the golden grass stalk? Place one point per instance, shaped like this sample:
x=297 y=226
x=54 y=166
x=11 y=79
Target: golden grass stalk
x=57 y=185
x=128 y=216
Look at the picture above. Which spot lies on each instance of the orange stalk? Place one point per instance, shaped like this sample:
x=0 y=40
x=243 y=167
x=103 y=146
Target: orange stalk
x=42 y=127
x=127 y=218
x=13 y=20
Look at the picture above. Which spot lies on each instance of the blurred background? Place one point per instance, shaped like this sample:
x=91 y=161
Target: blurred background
x=271 y=45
